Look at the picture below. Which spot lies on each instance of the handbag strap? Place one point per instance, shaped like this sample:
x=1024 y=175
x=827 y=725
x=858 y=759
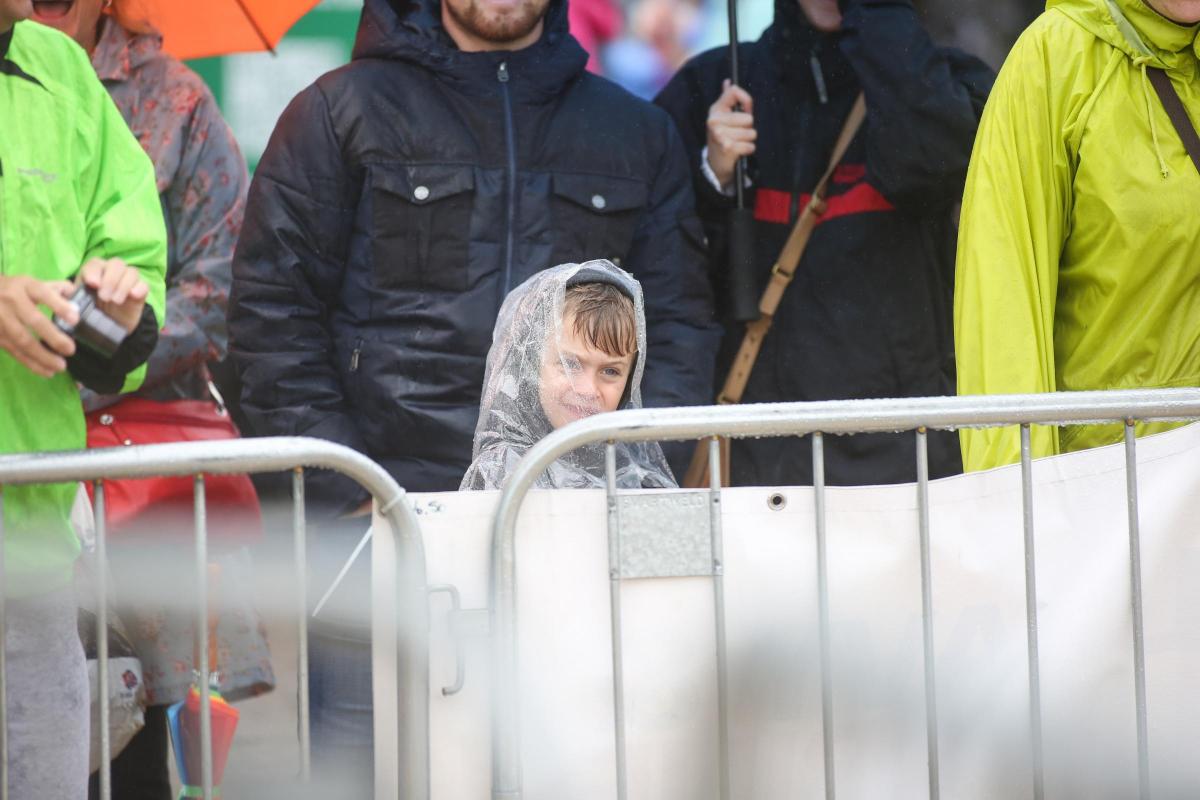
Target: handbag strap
x=784 y=269
x=1173 y=103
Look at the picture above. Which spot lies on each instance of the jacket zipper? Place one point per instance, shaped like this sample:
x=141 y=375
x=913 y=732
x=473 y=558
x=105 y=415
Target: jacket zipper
x=818 y=77
x=356 y=355
x=509 y=138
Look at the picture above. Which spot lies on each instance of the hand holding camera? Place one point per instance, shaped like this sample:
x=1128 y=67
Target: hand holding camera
x=99 y=311
x=118 y=288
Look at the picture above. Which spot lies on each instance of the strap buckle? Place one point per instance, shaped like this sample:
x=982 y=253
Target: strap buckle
x=816 y=206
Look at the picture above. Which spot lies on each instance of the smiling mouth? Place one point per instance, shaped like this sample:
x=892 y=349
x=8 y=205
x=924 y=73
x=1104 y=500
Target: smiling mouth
x=579 y=412
x=52 y=9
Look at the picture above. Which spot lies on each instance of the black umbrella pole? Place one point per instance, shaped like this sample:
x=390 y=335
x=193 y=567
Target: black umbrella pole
x=743 y=291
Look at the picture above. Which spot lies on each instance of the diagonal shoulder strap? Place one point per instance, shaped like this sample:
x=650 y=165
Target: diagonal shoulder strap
x=781 y=275
x=1173 y=103
x=789 y=260
x=793 y=249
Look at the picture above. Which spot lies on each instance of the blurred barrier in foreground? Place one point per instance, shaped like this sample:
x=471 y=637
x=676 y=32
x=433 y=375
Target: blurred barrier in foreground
x=702 y=648
x=820 y=420
x=399 y=599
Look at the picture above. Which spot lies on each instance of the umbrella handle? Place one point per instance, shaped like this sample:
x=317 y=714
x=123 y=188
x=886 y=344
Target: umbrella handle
x=743 y=283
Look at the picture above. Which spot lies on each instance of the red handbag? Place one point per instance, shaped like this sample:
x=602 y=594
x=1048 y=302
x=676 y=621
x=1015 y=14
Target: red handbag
x=161 y=505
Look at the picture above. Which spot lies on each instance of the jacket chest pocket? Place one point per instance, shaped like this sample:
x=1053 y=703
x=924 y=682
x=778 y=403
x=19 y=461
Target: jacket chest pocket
x=595 y=216
x=420 y=226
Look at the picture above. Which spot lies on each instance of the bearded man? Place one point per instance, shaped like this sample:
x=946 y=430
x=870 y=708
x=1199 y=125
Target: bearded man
x=401 y=197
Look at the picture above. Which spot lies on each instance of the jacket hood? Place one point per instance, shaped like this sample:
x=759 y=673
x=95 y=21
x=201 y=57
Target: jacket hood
x=411 y=30
x=119 y=52
x=1149 y=39
x=800 y=50
x=1137 y=30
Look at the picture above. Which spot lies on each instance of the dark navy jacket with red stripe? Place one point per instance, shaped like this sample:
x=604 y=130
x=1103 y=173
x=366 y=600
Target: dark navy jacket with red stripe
x=869 y=314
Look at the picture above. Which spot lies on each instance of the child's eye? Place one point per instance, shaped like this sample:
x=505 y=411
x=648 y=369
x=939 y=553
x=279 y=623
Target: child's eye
x=613 y=372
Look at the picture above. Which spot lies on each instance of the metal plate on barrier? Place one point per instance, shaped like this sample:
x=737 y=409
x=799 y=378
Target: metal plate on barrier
x=665 y=535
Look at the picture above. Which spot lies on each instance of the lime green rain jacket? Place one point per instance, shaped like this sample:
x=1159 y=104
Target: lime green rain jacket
x=1079 y=251
x=74 y=184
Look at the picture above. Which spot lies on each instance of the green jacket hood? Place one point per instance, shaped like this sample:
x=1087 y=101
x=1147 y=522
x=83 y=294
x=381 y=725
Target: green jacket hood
x=1137 y=30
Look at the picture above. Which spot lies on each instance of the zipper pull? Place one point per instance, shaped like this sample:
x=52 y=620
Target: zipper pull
x=502 y=72
x=356 y=355
x=818 y=77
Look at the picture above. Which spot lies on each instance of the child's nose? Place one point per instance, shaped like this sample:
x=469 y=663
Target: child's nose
x=585 y=385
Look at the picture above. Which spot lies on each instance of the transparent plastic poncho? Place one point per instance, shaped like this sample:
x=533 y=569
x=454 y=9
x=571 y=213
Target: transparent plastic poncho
x=512 y=419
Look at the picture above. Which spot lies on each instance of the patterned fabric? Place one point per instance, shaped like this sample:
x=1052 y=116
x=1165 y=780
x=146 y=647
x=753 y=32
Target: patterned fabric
x=157 y=607
x=202 y=182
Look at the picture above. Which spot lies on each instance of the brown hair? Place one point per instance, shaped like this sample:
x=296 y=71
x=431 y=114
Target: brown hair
x=604 y=317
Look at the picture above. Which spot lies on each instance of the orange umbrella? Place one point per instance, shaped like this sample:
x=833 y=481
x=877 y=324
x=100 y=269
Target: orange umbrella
x=200 y=28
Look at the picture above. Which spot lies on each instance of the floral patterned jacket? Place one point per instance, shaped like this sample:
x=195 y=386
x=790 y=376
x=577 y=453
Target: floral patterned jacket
x=202 y=182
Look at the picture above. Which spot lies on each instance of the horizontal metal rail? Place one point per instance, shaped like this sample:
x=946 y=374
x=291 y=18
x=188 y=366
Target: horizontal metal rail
x=402 y=685
x=768 y=419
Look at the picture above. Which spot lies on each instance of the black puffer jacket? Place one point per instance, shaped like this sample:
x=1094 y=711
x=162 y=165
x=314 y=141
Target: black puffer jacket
x=402 y=196
x=869 y=313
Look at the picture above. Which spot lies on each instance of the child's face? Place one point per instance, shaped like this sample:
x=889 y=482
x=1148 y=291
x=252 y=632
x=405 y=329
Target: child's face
x=578 y=380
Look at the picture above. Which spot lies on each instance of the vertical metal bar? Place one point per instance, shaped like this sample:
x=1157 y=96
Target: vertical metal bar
x=818 y=456
x=931 y=732
x=1031 y=618
x=1135 y=585
x=614 y=598
x=389 y=683
x=300 y=551
x=3 y=660
x=100 y=516
x=718 y=565
x=203 y=667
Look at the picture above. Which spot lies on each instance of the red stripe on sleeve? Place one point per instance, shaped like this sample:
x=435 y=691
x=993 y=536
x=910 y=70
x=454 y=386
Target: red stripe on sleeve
x=772 y=205
x=861 y=199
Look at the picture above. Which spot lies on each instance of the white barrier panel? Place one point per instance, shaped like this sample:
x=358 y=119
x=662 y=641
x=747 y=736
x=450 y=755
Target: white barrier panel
x=1087 y=682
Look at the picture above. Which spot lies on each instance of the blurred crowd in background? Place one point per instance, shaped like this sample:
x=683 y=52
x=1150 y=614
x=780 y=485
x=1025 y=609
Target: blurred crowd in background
x=637 y=43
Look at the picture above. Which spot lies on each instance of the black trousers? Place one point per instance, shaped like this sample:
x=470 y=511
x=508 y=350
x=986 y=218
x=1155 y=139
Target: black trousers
x=140 y=772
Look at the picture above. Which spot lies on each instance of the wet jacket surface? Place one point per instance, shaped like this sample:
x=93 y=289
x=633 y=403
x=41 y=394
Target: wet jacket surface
x=869 y=313
x=1080 y=244
x=402 y=196
x=74 y=185
x=201 y=179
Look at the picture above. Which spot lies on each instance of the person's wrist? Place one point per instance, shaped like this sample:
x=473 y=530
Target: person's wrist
x=723 y=173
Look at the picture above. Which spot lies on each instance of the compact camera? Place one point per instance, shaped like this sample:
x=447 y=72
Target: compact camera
x=95 y=330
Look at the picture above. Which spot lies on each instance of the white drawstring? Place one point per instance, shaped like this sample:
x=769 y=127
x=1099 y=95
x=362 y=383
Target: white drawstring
x=1141 y=61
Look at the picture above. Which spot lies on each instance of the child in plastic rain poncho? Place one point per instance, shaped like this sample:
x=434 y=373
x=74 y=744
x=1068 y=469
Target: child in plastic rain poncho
x=570 y=342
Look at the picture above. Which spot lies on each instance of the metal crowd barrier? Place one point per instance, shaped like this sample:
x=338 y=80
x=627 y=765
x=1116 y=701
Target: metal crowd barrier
x=400 y=685
x=818 y=419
